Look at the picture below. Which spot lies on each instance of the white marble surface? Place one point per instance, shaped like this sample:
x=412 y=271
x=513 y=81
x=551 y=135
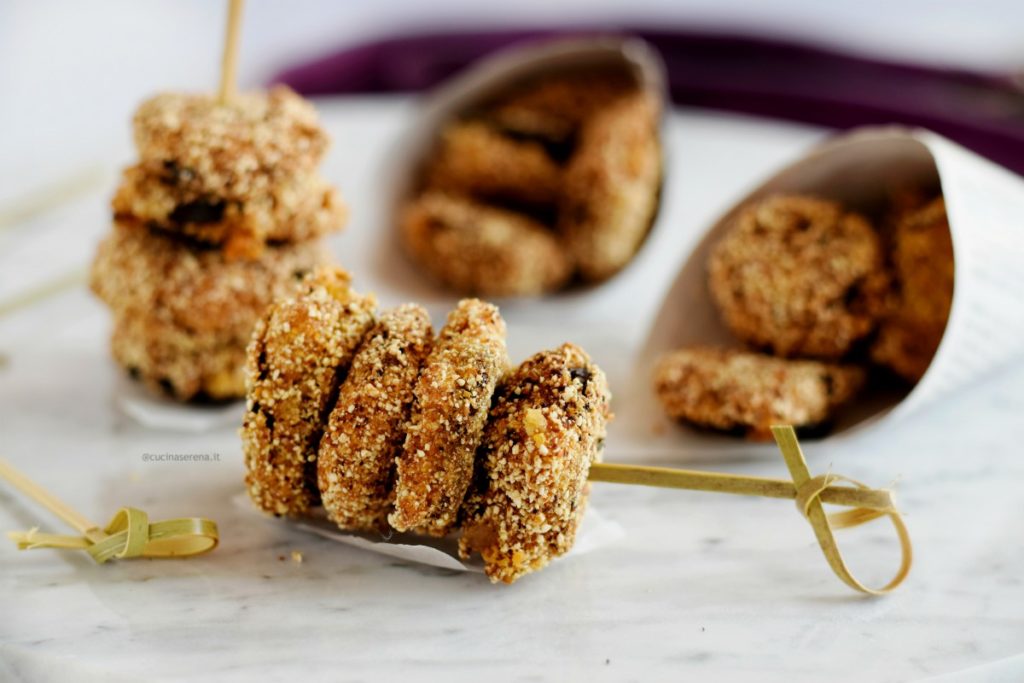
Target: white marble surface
x=702 y=587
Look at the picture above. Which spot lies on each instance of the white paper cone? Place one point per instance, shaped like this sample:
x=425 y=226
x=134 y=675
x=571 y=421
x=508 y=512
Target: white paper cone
x=985 y=206
x=860 y=169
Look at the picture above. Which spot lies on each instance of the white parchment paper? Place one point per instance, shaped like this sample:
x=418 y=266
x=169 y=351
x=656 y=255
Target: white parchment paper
x=596 y=531
x=150 y=410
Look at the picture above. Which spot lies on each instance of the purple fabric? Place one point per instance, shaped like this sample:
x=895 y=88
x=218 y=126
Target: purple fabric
x=765 y=77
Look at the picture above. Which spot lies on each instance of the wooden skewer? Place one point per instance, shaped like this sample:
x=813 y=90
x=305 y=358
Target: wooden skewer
x=717 y=482
x=51 y=196
x=809 y=492
x=70 y=516
x=129 y=534
x=69 y=280
x=229 y=61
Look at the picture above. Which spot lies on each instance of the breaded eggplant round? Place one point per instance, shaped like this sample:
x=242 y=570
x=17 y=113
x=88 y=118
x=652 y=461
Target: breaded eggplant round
x=799 y=276
x=474 y=247
x=300 y=352
x=749 y=392
x=611 y=186
x=451 y=400
x=297 y=209
x=476 y=160
x=183 y=316
x=546 y=427
x=922 y=259
x=366 y=429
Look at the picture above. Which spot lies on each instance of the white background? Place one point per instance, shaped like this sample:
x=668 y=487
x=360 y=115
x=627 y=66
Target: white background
x=71 y=71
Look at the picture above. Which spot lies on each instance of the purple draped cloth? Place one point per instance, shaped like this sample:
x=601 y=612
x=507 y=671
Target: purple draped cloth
x=765 y=77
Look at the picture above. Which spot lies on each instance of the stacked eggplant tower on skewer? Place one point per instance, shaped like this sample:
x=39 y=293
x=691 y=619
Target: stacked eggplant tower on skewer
x=223 y=211
x=386 y=426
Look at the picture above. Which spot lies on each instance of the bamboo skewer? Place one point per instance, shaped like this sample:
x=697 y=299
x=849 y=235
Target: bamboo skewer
x=718 y=482
x=809 y=493
x=129 y=534
x=229 y=60
x=52 y=196
x=37 y=202
x=69 y=280
x=49 y=501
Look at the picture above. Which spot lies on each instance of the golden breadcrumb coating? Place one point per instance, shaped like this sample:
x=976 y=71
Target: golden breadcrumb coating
x=367 y=425
x=472 y=158
x=195 y=289
x=452 y=396
x=799 y=276
x=577 y=153
x=611 y=186
x=159 y=195
x=300 y=351
x=235 y=149
x=523 y=443
x=473 y=247
x=554 y=108
x=239 y=174
x=750 y=392
x=922 y=258
x=183 y=316
x=546 y=427
x=174 y=361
